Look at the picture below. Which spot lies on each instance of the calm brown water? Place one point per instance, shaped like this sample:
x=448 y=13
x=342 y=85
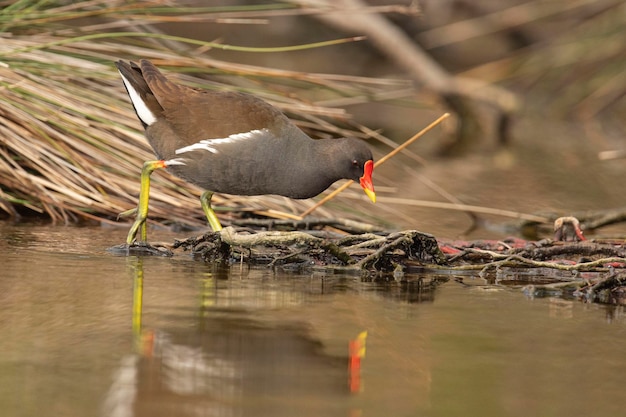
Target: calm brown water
x=241 y=342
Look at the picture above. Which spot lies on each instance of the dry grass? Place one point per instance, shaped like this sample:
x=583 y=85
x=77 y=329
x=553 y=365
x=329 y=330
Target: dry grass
x=72 y=147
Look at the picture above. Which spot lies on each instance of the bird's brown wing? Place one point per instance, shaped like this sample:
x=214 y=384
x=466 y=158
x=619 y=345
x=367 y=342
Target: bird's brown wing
x=196 y=115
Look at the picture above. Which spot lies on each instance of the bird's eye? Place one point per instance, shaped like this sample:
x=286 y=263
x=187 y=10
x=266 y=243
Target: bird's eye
x=355 y=162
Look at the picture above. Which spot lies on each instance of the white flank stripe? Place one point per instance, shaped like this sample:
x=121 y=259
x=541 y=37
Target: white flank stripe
x=211 y=145
x=175 y=161
x=142 y=110
x=196 y=147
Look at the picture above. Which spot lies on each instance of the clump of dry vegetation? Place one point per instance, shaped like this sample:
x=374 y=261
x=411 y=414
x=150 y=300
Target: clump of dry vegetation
x=71 y=145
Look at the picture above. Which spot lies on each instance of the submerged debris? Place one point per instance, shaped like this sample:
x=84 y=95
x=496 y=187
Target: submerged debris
x=591 y=270
x=303 y=250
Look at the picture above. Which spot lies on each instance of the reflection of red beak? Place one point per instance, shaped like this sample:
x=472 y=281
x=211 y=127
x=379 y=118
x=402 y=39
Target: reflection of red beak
x=366 y=180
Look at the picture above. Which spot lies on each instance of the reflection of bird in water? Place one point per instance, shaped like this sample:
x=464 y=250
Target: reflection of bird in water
x=228 y=368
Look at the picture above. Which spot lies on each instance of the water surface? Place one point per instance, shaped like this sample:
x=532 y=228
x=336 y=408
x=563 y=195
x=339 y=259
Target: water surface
x=210 y=341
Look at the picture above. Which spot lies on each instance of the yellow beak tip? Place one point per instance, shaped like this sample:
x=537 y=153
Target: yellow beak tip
x=371 y=194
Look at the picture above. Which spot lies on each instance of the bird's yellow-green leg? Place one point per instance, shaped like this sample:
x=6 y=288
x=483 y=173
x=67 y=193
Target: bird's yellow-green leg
x=205 y=200
x=144 y=196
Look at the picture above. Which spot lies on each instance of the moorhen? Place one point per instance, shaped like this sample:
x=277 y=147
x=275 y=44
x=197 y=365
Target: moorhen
x=233 y=143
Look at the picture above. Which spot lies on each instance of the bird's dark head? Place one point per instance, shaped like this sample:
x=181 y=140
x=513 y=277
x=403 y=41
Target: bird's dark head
x=359 y=165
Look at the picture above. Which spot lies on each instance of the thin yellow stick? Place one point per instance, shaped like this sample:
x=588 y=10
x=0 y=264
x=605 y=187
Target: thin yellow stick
x=377 y=163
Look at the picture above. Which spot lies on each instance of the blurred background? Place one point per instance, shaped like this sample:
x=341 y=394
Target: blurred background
x=535 y=90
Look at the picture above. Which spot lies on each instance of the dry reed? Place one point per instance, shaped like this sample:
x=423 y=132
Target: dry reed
x=71 y=146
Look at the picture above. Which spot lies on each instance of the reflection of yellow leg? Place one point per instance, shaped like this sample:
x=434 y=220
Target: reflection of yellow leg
x=214 y=222
x=137 y=302
x=144 y=196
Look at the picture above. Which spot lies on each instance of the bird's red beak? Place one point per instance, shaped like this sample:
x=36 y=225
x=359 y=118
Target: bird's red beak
x=366 y=180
